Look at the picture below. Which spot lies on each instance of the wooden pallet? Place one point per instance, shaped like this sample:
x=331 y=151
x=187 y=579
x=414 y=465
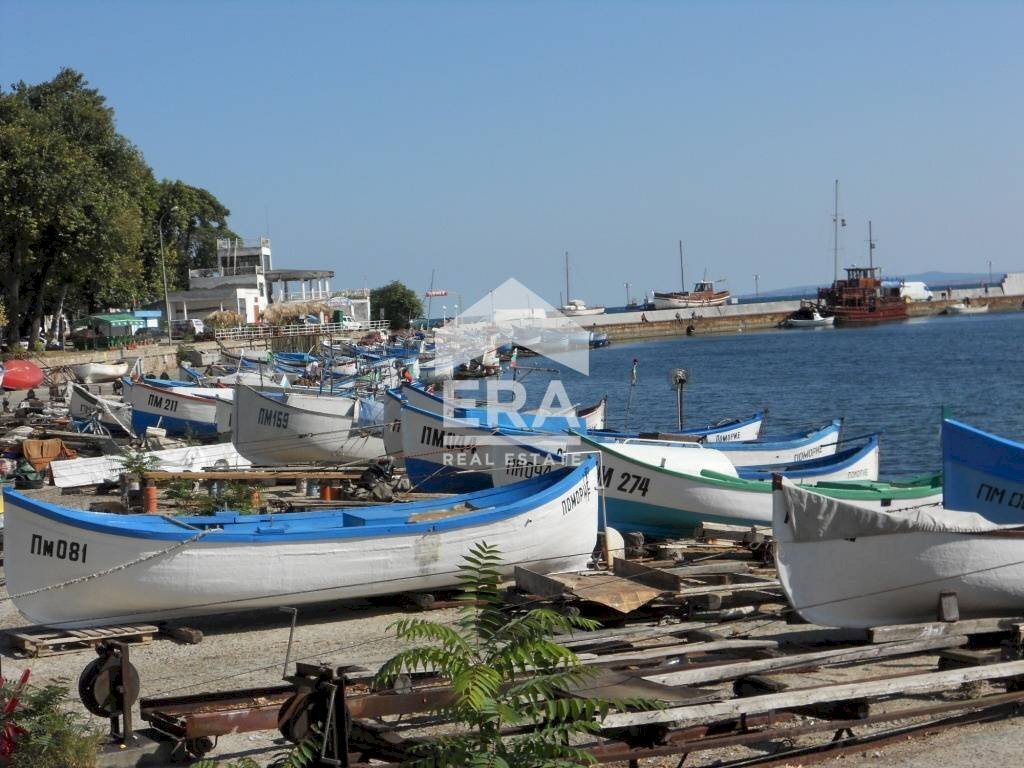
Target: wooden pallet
x=45 y=641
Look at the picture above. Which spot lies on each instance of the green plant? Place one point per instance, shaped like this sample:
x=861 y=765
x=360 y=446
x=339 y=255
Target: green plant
x=505 y=670
x=184 y=352
x=49 y=733
x=179 y=489
x=135 y=461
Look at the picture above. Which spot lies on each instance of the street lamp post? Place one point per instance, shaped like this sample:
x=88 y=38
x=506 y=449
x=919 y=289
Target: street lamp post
x=757 y=292
x=163 y=268
x=627 y=294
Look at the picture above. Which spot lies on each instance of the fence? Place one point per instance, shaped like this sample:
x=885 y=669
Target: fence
x=348 y=328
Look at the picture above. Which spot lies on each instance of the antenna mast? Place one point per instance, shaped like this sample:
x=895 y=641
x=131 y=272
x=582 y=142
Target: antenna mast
x=682 y=271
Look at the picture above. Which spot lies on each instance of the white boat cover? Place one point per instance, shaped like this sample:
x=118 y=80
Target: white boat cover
x=73 y=473
x=812 y=517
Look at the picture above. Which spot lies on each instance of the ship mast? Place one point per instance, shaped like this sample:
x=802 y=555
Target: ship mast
x=682 y=271
x=567 y=299
x=835 y=236
x=871 y=247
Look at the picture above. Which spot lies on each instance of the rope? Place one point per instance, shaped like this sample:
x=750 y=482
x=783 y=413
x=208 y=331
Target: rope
x=123 y=566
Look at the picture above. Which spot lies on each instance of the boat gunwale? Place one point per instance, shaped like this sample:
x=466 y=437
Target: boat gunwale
x=832 y=489
x=549 y=487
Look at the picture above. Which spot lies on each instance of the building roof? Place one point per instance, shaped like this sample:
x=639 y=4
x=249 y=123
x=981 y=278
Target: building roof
x=120 y=318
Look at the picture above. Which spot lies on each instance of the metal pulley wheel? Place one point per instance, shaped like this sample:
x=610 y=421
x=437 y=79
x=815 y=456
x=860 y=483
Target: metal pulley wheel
x=304 y=710
x=104 y=689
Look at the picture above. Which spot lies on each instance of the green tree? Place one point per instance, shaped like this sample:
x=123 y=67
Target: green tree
x=79 y=208
x=505 y=670
x=70 y=192
x=399 y=303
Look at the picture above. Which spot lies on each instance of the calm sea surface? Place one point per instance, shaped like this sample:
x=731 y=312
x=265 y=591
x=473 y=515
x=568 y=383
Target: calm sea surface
x=893 y=379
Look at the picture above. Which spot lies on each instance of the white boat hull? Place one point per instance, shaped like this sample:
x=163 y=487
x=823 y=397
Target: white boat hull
x=301 y=429
x=112 y=414
x=966 y=309
x=644 y=496
x=665 y=302
x=818 y=322
x=895 y=578
x=98 y=373
x=211 y=577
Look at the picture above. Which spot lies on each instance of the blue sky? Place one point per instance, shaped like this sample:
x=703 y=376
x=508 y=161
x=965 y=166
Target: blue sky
x=485 y=139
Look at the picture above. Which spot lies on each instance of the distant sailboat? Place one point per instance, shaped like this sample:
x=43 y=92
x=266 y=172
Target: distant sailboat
x=576 y=307
x=702 y=295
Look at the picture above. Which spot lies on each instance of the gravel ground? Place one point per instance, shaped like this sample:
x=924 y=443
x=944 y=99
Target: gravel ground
x=248 y=649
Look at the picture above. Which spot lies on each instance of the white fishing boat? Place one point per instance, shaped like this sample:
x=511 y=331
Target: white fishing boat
x=809 y=315
x=83 y=406
x=280 y=428
x=592 y=416
x=966 y=308
x=644 y=492
x=579 y=308
x=179 y=410
x=98 y=373
x=842 y=565
x=68 y=568
x=467 y=450
x=772 y=450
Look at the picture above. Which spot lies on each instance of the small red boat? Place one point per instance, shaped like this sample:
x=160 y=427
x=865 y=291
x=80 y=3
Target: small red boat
x=21 y=374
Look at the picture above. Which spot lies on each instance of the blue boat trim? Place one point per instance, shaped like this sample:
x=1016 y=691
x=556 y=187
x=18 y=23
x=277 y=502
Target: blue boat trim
x=812 y=467
x=356 y=522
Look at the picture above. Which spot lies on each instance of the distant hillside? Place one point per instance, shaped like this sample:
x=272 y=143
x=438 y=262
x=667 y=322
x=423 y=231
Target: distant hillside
x=941 y=279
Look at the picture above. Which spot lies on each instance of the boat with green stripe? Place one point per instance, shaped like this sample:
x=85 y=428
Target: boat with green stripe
x=643 y=493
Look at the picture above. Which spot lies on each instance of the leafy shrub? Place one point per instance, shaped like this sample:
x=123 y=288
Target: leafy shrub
x=52 y=735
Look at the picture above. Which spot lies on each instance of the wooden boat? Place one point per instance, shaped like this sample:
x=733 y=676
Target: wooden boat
x=155 y=568
x=857 y=462
x=464 y=452
x=591 y=416
x=642 y=494
x=83 y=406
x=966 y=308
x=21 y=374
x=982 y=473
x=809 y=315
x=702 y=295
x=861 y=299
x=179 y=410
x=772 y=450
x=842 y=565
x=97 y=373
x=279 y=428
x=579 y=308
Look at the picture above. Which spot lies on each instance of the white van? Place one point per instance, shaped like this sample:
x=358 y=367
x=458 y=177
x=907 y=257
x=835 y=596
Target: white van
x=915 y=291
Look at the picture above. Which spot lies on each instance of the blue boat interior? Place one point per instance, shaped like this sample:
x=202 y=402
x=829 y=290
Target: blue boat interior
x=434 y=515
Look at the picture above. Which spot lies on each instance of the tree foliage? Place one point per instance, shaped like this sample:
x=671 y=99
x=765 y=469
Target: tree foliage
x=399 y=302
x=79 y=208
x=505 y=670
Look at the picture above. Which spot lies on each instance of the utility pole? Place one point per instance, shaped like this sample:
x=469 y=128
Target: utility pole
x=627 y=294
x=163 y=268
x=757 y=291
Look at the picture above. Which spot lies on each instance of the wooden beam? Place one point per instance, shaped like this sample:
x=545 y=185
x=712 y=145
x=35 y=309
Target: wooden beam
x=684 y=649
x=805 y=696
x=802 y=660
x=644 y=574
x=539 y=584
x=937 y=628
